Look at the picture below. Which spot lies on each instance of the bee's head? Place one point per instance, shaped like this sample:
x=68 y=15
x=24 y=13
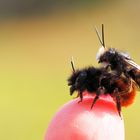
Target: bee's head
x=107 y=56
x=104 y=55
x=101 y=54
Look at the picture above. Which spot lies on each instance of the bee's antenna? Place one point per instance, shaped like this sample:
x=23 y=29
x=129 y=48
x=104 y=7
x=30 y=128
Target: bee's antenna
x=103 y=41
x=72 y=64
x=99 y=37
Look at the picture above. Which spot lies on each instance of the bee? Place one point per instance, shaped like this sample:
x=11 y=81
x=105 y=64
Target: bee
x=119 y=77
x=118 y=62
x=98 y=81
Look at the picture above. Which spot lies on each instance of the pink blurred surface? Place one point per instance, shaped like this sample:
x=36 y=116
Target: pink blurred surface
x=78 y=122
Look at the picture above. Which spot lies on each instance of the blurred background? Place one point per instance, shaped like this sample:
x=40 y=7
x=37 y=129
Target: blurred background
x=37 y=40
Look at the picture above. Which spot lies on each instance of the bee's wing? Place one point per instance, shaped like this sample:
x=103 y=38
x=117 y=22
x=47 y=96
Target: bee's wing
x=128 y=60
x=125 y=55
x=132 y=63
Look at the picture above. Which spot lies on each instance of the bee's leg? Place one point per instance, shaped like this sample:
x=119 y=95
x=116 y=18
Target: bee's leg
x=72 y=89
x=118 y=102
x=94 y=101
x=118 y=105
x=98 y=93
x=81 y=96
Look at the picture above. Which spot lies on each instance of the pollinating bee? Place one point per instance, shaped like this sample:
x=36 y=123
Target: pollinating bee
x=120 y=81
x=117 y=61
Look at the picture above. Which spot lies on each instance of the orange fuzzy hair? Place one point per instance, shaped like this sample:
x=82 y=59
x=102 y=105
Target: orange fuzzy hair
x=128 y=98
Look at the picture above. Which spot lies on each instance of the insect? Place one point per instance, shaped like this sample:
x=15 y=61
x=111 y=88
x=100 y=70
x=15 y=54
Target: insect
x=97 y=81
x=120 y=81
x=119 y=62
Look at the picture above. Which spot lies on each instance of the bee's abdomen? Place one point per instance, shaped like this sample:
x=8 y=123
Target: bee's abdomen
x=128 y=98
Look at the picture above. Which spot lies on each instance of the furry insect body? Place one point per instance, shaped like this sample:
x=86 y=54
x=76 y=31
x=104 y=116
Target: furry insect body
x=120 y=81
x=99 y=81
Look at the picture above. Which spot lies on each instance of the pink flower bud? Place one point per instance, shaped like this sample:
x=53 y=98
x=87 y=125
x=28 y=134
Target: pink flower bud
x=77 y=121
